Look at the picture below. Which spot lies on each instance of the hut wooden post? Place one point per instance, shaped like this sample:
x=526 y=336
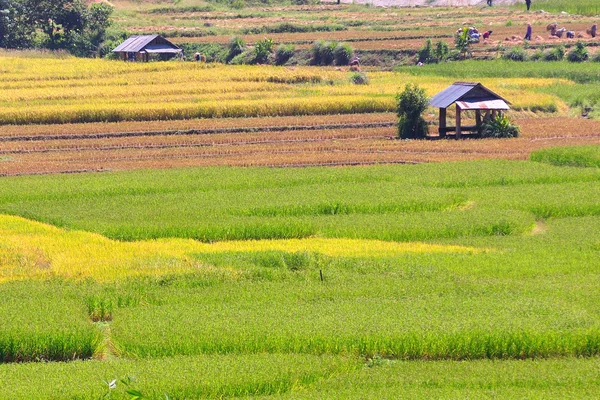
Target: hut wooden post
x=442 y=123
x=458 y=127
x=478 y=120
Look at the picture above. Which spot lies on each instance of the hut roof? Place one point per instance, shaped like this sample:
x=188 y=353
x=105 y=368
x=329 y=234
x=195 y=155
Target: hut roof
x=474 y=96
x=147 y=43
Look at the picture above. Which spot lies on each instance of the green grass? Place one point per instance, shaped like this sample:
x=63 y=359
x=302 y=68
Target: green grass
x=302 y=377
x=399 y=203
x=577 y=156
x=178 y=377
x=264 y=323
x=527 y=297
x=44 y=322
x=580 y=7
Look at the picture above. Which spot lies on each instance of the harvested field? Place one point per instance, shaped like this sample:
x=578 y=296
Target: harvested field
x=296 y=145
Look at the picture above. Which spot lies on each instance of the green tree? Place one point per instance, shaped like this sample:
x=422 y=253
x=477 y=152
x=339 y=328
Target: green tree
x=16 y=30
x=57 y=19
x=411 y=104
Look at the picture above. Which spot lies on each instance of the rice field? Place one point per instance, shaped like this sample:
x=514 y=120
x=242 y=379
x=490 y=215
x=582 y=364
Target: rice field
x=196 y=266
x=335 y=275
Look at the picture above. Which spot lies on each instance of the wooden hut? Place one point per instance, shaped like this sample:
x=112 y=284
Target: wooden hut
x=140 y=48
x=467 y=96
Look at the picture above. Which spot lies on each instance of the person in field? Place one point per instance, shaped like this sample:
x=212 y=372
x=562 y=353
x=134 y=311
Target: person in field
x=489 y=3
x=529 y=32
x=528 y=4
x=593 y=30
x=486 y=35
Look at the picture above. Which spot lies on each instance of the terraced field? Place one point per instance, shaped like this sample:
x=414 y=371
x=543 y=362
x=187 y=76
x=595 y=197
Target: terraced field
x=150 y=249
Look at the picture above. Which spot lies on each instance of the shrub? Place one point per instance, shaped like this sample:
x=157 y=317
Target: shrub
x=515 y=54
x=236 y=46
x=262 y=50
x=579 y=53
x=555 y=54
x=359 y=78
x=442 y=50
x=343 y=53
x=426 y=54
x=283 y=53
x=412 y=102
x=499 y=127
x=538 y=55
x=462 y=43
x=323 y=52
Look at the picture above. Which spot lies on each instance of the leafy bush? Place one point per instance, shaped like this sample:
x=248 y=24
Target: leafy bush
x=579 y=53
x=262 y=50
x=283 y=53
x=442 y=50
x=247 y=57
x=538 y=55
x=236 y=46
x=343 y=53
x=426 y=53
x=555 y=54
x=515 y=54
x=412 y=102
x=499 y=127
x=323 y=52
x=359 y=78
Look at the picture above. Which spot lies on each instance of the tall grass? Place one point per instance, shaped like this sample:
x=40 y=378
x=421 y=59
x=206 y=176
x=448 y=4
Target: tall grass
x=580 y=7
x=44 y=322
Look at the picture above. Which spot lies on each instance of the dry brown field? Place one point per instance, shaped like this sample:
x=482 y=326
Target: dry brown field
x=274 y=142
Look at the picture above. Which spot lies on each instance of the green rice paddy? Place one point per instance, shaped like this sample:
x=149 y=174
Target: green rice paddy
x=516 y=316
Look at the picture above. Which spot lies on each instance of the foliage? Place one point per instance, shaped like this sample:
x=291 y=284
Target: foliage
x=515 y=54
x=262 y=50
x=579 y=53
x=428 y=54
x=236 y=46
x=359 y=78
x=343 y=53
x=323 y=53
x=283 y=53
x=462 y=42
x=412 y=103
x=66 y=24
x=442 y=51
x=499 y=127
x=555 y=54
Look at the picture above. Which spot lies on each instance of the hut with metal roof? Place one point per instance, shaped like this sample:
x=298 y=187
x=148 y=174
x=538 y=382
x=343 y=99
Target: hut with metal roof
x=468 y=96
x=140 y=48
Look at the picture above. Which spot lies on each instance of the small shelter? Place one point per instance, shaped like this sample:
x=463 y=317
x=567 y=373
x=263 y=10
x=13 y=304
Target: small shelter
x=139 y=48
x=467 y=96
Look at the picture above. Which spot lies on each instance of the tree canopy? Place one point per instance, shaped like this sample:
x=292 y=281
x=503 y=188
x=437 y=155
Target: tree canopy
x=54 y=24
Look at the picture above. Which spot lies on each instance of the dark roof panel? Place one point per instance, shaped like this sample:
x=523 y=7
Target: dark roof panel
x=466 y=91
x=136 y=44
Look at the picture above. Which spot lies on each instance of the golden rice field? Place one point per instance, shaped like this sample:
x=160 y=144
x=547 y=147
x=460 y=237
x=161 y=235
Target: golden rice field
x=33 y=250
x=60 y=91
